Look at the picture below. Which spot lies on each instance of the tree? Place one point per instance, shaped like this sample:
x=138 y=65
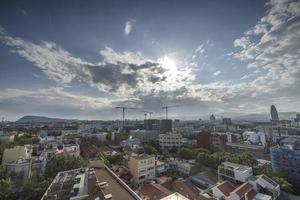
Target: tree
x=26 y=139
x=153 y=143
x=284 y=184
x=3 y=145
x=108 y=137
x=150 y=150
x=34 y=189
x=166 y=153
x=7 y=189
x=185 y=153
x=62 y=163
x=115 y=159
x=277 y=176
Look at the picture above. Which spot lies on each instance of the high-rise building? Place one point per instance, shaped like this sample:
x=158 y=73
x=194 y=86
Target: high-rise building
x=203 y=140
x=274 y=114
x=151 y=124
x=286 y=159
x=165 y=125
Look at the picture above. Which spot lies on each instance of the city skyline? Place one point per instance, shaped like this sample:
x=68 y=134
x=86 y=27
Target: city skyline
x=82 y=60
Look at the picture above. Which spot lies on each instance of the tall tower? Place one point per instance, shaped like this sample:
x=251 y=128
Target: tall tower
x=274 y=114
x=212 y=118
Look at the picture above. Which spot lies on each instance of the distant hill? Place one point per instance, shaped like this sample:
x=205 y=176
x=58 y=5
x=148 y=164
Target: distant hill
x=41 y=119
x=265 y=116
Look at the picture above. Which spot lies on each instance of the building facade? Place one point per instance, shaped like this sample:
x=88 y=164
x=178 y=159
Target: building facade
x=142 y=168
x=170 y=140
x=288 y=162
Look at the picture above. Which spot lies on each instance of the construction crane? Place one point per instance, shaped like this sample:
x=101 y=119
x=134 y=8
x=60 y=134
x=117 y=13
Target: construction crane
x=167 y=108
x=123 y=112
x=148 y=112
x=145 y=116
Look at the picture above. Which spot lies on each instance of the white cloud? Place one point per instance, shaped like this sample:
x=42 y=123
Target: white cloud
x=200 y=49
x=24 y=12
x=271 y=48
x=247 y=76
x=217 y=73
x=128 y=26
x=51 y=101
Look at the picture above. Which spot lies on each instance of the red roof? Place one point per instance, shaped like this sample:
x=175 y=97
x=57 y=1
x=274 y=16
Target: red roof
x=226 y=188
x=245 y=188
x=154 y=191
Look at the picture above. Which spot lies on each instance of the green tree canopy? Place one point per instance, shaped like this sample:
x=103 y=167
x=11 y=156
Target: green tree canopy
x=185 y=153
x=7 y=189
x=150 y=150
x=62 y=163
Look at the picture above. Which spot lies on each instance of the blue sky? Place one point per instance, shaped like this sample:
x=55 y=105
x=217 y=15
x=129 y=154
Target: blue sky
x=80 y=59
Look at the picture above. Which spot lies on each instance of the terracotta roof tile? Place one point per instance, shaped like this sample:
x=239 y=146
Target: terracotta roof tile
x=226 y=187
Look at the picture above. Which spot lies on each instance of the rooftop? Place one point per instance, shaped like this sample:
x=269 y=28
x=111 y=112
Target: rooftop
x=175 y=196
x=236 y=166
x=245 y=189
x=141 y=156
x=154 y=191
x=114 y=188
x=244 y=145
x=68 y=185
x=226 y=187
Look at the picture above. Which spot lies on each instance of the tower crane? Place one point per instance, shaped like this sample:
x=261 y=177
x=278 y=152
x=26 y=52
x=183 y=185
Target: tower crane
x=167 y=108
x=148 y=112
x=123 y=112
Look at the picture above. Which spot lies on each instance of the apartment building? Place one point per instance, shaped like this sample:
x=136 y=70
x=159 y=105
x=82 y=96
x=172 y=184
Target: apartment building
x=170 y=140
x=19 y=160
x=142 y=168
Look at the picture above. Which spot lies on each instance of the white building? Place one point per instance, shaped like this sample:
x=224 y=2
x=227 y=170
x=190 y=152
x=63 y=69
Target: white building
x=225 y=190
x=132 y=143
x=262 y=183
x=142 y=168
x=71 y=149
x=235 y=172
x=169 y=140
x=145 y=135
x=19 y=160
x=160 y=167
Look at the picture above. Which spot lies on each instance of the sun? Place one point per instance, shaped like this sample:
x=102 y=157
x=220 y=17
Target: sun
x=169 y=64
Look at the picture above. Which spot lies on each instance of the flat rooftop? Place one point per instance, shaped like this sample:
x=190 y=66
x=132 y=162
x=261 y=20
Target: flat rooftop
x=236 y=166
x=245 y=146
x=142 y=156
x=68 y=184
x=114 y=188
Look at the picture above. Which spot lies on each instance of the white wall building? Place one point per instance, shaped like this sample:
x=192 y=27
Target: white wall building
x=142 y=168
x=233 y=171
x=169 y=140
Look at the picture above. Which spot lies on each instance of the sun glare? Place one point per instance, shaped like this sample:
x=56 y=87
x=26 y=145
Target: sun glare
x=169 y=64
